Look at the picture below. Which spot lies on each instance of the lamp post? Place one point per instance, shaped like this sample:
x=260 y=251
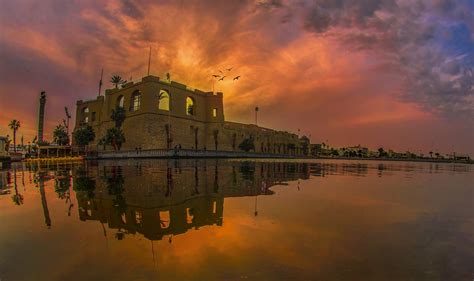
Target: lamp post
x=256 y=115
x=168 y=141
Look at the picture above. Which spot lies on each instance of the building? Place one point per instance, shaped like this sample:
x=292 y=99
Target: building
x=4 y=154
x=164 y=115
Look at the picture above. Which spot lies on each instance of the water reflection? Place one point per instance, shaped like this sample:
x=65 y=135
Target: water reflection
x=159 y=198
x=155 y=198
x=229 y=220
x=170 y=197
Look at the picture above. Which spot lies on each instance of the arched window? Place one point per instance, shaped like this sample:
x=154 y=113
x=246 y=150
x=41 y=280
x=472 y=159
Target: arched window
x=120 y=101
x=190 y=109
x=164 y=100
x=136 y=101
x=85 y=112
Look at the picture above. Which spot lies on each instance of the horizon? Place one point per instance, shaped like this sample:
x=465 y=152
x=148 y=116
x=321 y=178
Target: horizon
x=388 y=74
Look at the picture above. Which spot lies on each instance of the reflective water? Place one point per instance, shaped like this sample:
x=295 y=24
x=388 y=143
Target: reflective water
x=237 y=220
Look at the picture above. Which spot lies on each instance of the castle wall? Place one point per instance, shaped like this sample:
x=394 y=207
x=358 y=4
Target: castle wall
x=205 y=129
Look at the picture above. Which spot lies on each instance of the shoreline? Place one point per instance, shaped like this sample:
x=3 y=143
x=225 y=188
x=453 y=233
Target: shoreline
x=127 y=155
x=445 y=161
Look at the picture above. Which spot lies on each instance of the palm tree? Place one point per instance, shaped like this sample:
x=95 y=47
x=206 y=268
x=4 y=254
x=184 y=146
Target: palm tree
x=431 y=154
x=118 y=116
x=14 y=125
x=117 y=80
x=60 y=135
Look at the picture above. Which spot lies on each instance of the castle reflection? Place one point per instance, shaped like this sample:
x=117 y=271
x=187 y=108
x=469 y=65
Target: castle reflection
x=165 y=198
x=160 y=198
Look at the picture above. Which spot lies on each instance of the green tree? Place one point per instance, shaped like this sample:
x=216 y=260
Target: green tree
x=334 y=152
x=115 y=137
x=117 y=80
x=382 y=152
x=60 y=135
x=14 y=125
x=84 y=135
x=247 y=144
x=118 y=116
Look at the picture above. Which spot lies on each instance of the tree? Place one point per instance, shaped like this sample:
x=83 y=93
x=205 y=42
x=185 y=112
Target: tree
x=431 y=154
x=334 y=152
x=247 y=144
x=14 y=125
x=60 y=135
x=118 y=116
x=84 y=135
x=117 y=80
x=382 y=152
x=115 y=137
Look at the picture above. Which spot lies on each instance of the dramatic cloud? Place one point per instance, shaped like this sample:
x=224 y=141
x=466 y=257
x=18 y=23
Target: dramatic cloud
x=345 y=71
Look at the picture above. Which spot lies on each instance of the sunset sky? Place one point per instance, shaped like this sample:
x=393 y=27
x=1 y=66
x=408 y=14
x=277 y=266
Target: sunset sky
x=391 y=73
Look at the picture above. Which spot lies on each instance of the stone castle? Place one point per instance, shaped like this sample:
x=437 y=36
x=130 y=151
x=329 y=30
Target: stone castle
x=162 y=114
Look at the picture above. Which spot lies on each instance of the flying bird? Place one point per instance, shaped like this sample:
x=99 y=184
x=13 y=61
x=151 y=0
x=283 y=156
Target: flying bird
x=236 y=77
x=221 y=72
x=229 y=69
x=216 y=76
x=222 y=78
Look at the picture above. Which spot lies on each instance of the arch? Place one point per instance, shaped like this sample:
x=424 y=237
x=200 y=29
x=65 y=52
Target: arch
x=85 y=112
x=164 y=100
x=190 y=107
x=120 y=101
x=136 y=101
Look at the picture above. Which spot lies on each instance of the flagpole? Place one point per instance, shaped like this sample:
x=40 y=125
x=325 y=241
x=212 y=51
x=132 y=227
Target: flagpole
x=149 y=61
x=100 y=82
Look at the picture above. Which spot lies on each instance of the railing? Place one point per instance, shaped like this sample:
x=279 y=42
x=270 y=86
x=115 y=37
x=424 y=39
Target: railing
x=186 y=153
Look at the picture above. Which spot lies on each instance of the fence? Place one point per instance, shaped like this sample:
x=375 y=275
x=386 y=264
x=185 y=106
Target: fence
x=184 y=153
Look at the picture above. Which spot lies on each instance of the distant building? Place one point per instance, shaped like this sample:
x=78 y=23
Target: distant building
x=3 y=147
x=164 y=115
x=458 y=157
x=4 y=154
x=355 y=151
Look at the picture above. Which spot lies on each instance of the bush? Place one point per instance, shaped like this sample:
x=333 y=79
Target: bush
x=247 y=144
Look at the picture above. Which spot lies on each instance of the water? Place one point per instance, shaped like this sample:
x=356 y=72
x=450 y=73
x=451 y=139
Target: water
x=237 y=220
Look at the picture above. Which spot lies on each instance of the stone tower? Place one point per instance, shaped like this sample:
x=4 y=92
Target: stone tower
x=42 y=103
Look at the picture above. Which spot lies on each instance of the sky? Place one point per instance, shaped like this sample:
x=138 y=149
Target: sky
x=392 y=73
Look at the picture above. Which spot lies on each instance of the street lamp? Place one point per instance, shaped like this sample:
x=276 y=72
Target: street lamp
x=256 y=115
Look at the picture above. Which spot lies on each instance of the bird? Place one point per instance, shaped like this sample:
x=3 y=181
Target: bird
x=222 y=78
x=236 y=77
x=229 y=69
x=221 y=72
x=216 y=76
